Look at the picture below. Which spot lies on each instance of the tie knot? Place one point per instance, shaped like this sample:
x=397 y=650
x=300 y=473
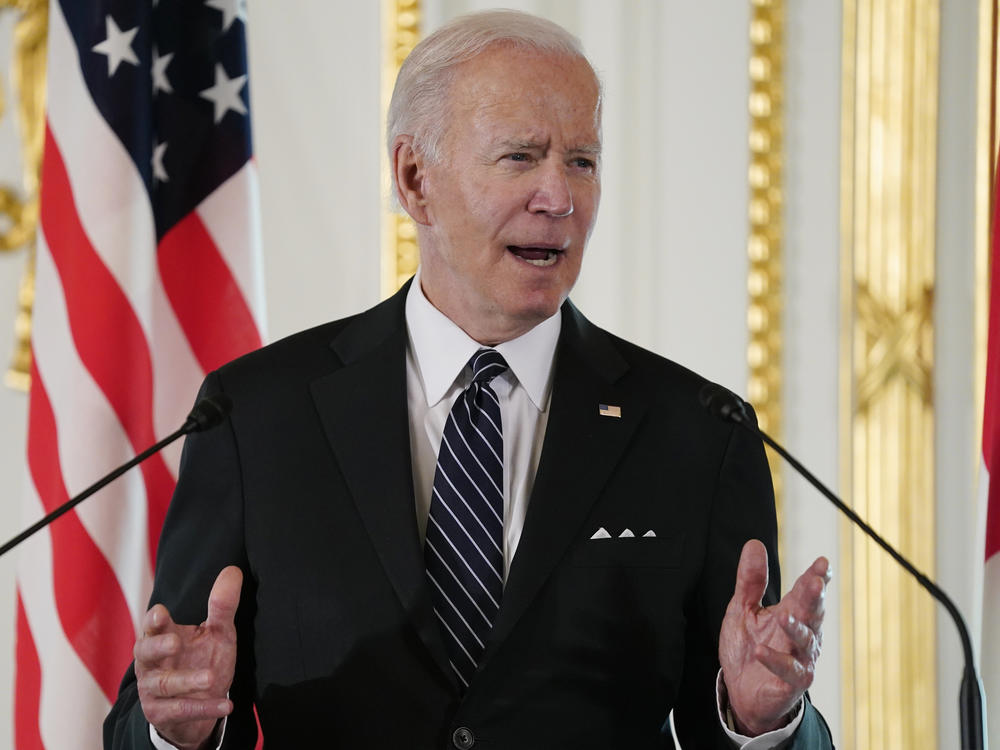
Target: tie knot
x=486 y=364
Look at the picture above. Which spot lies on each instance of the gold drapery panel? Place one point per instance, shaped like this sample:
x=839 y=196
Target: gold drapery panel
x=19 y=207
x=400 y=256
x=764 y=246
x=889 y=127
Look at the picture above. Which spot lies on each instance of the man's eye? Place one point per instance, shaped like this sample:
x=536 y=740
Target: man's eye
x=518 y=156
x=583 y=163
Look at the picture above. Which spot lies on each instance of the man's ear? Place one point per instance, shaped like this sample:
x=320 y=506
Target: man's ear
x=409 y=174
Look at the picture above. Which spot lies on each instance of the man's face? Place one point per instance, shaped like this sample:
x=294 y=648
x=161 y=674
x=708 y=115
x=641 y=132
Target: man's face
x=512 y=201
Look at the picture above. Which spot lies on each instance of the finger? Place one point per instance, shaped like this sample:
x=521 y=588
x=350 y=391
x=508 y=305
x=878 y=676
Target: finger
x=151 y=651
x=821 y=567
x=165 y=711
x=157 y=620
x=797 y=674
x=805 y=641
x=809 y=603
x=751 y=575
x=224 y=598
x=174 y=683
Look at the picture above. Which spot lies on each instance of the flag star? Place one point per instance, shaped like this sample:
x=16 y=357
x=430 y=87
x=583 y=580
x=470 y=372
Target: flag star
x=225 y=94
x=159 y=171
x=159 y=70
x=231 y=10
x=117 y=46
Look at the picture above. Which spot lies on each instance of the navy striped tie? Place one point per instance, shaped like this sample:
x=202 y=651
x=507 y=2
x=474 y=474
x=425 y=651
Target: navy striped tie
x=463 y=550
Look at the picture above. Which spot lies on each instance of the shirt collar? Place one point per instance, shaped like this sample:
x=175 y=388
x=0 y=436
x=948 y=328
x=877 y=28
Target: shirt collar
x=442 y=350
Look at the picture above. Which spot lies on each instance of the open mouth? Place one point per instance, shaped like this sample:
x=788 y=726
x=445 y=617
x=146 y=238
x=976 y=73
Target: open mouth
x=536 y=256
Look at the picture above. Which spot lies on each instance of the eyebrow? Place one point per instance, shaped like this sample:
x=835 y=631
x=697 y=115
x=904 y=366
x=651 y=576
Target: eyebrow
x=589 y=148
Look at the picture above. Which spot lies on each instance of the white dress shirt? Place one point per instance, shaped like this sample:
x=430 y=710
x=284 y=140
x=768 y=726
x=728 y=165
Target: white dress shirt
x=436 y=374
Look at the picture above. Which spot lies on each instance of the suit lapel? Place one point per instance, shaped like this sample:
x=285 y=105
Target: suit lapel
x=363 y=409
x=580 y=451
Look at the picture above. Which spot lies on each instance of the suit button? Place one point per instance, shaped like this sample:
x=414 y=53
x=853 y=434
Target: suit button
x=463 y=738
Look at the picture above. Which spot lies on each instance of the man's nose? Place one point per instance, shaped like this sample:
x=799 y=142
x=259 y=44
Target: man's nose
x=552 y=195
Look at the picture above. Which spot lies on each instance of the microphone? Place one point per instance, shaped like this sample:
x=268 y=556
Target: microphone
x=206 y=414
x=725 y=404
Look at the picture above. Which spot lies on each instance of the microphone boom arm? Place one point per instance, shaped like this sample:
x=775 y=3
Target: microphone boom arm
x=207 y=413
x=730 y=407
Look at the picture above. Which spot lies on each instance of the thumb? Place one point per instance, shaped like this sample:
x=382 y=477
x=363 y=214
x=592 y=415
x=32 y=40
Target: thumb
x=751 y=575
x=225 y=597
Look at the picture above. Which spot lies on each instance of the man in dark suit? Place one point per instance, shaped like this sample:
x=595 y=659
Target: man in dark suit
x=620 y=506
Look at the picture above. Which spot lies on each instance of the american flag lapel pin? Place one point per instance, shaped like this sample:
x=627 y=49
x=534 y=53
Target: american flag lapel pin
x=607 y=410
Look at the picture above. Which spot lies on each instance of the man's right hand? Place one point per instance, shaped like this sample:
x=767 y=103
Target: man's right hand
x=184 y=672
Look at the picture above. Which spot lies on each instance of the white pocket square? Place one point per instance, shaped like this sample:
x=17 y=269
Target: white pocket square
x=602 y=533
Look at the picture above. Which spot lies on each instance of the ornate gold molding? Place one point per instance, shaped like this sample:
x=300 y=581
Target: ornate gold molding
x=400 y=256
x=764 y=246
x=20 y=208
x=888 y=153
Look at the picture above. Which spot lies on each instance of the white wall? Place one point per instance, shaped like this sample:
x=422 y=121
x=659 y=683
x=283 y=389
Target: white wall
x=13 y=404
x=954 y=401
x=812 y=310
x=667 y=262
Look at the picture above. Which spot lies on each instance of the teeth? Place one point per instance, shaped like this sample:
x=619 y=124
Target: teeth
x=542 y=263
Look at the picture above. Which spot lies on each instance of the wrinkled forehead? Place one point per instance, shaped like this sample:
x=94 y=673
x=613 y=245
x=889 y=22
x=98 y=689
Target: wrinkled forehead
x=504 y=80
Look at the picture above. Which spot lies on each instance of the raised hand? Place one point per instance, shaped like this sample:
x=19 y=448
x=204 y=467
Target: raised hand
x=184 y=672
x=768 y=654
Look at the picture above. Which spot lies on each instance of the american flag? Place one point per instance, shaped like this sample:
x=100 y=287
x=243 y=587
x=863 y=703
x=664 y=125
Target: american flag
x=148 y=276
x=989 y=486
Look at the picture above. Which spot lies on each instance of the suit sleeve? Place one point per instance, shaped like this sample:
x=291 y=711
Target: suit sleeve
x=202 y=534
x=742 y=509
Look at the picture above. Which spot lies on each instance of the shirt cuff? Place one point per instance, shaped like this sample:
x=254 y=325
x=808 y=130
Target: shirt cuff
x=161 y=744
x=766 y=741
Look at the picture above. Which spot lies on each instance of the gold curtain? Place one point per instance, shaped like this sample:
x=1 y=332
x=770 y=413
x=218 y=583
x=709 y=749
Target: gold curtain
x=889 y=125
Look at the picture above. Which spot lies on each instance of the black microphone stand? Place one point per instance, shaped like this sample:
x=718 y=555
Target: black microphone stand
x=731 y=407
x=206 y=414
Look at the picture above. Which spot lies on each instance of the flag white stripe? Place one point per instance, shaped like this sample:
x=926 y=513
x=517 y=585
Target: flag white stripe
x=116 y=517
x=238 y=245
x=119 y=223
x=70 y=698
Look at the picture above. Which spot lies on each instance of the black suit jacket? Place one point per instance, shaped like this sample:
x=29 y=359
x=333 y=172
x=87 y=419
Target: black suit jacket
x=308 y=488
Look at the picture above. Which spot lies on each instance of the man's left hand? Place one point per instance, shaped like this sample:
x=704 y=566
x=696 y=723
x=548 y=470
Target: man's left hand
x=768 y=654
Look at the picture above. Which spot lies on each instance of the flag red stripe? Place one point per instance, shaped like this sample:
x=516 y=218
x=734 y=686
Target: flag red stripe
x=198 y=284
x=990 y=405
x=991 y=398
x=106 y=331
x=993 y=519
x=27 y=686
x=91 y=606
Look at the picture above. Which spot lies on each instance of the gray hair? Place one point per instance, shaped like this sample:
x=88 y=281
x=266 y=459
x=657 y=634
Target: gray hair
x=419 y=100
